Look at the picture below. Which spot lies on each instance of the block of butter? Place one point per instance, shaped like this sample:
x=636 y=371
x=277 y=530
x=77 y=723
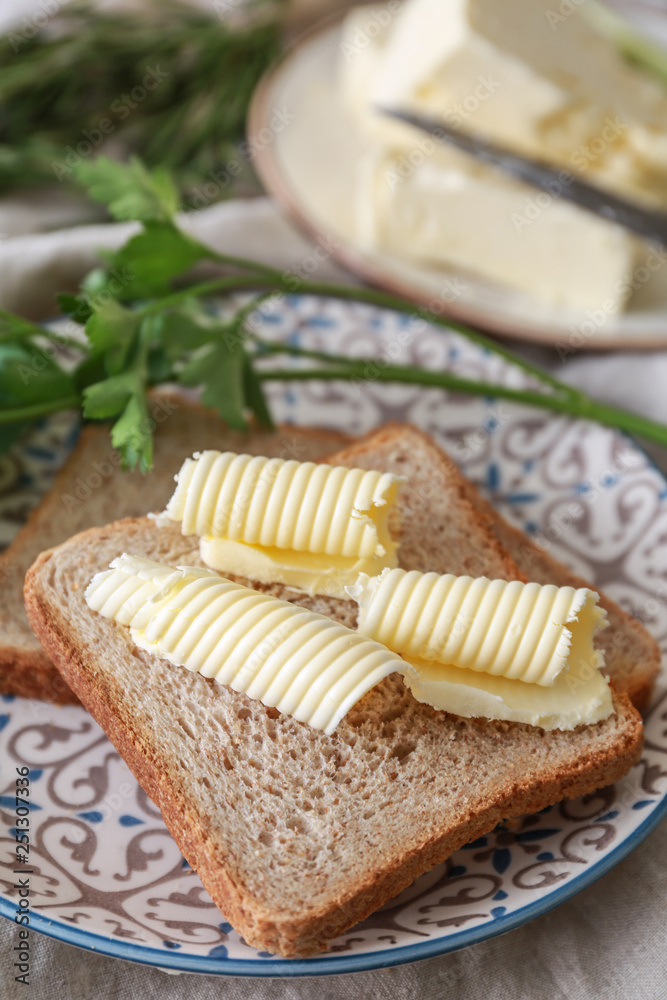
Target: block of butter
x=446 y=211
x=307 y=526
x=287 y=657
x=494 y=648
x=555 y=90
x=520 y=73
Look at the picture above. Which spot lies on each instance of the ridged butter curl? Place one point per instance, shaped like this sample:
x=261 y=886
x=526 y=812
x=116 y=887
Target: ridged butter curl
x=285 y=504
x=287 y=657
x=520 y=631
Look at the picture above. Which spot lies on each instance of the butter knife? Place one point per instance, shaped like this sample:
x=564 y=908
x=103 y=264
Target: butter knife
x=557 y=181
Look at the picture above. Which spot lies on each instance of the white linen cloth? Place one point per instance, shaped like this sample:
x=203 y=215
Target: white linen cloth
x=610 y=940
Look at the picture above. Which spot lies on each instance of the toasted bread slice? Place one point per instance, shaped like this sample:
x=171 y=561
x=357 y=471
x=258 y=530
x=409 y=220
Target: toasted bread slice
x=297 y=835
x=92 y=489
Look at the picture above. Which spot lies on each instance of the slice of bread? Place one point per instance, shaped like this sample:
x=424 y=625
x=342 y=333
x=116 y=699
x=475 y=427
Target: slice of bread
x=91 y=489
x=473 y=537
x=297 y=835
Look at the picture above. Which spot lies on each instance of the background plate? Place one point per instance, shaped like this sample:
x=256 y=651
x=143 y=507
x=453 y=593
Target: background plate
x=308 y=165
x=107 y=875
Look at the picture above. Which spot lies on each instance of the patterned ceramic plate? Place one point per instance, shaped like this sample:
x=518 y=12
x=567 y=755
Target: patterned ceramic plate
x=106 y=875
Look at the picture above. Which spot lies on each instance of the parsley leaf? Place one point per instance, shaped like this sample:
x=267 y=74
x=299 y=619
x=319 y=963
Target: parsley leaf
x=112 y=331
x=108 y=398
x=186 y=328
x=77 y=307
x=223 y=369
x=123 y=393
x=254 y=394
x=16 y=327
x=219 y=372
x=132 y=433
x=129 y=190
x=28 y=374
x=153 y=257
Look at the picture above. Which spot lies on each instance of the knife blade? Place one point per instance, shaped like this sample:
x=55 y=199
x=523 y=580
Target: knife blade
x=556 y=181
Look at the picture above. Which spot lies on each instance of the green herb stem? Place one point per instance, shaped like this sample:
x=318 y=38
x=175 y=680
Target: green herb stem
x=243 y=264
x=148 y=334
x=19 y=414
x=14 y=328
x=277 y=282
x=269 y=347
x=562 y=399
x=578 y=406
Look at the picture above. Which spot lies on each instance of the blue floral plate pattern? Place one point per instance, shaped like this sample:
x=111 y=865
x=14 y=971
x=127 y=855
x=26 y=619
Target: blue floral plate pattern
x=106 y=874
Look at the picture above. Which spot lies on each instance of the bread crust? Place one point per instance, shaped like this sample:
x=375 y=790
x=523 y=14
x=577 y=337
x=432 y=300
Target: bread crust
x=304 y=929
x=31 y=674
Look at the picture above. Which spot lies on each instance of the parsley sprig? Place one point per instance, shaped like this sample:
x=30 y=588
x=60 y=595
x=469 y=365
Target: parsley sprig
x=145 y=322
